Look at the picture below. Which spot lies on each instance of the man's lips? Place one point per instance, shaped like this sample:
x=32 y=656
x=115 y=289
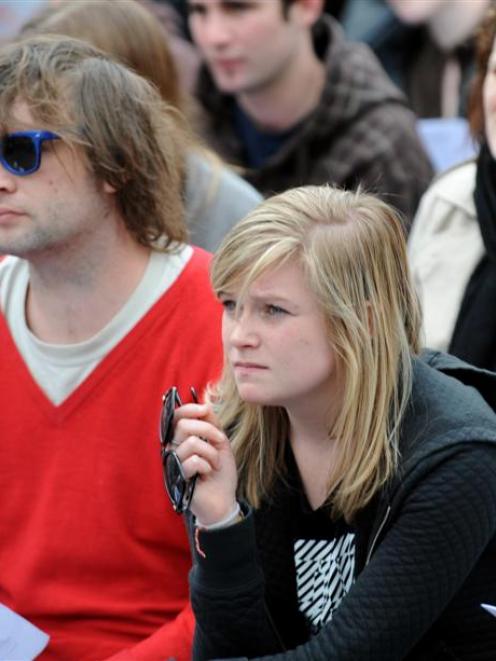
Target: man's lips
x=228 y=63
x=6 y=213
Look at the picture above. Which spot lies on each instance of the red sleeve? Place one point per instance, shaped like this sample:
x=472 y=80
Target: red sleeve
x=172 y=641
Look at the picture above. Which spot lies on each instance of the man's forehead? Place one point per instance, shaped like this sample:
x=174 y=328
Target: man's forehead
x=228 y=4
x=20 y=116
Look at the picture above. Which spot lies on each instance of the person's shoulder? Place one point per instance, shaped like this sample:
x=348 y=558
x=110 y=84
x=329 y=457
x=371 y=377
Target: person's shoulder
x=184 y=264
x=219 y=183
x=451 y=402
x=447 y=414
x=10 y=269
x=13 y=275
x=216 y=199
x=198 y=266
x=361 y=103
x=446 y=208
x=455 y=186
x=191 y=293
x=354 y=67
x=195 y=278
x=7 y=261
x=237 y=189
x=478 y=378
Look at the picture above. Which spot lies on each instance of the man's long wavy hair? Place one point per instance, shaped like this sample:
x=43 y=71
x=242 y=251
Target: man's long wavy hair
x=352 y=250
x=132 y=140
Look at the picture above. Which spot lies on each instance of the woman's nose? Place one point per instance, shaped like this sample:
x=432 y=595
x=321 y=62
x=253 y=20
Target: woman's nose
x=243 y=331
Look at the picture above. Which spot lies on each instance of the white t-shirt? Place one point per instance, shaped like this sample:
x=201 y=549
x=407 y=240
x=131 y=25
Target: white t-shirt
x=60 y=368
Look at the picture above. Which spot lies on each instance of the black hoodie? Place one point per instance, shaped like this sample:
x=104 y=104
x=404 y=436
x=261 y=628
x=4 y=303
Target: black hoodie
x=426 y=548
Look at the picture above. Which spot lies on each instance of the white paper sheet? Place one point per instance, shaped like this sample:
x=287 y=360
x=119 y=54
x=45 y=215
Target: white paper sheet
x=19 y=639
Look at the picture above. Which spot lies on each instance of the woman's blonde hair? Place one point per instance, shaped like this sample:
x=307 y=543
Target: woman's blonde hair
x=352 y=249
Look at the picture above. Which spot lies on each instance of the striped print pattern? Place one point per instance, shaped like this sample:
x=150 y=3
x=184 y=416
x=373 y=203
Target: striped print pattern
x=325 y=571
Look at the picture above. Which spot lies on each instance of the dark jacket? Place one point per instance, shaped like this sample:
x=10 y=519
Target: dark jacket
x=361 y=132
x=426 y=549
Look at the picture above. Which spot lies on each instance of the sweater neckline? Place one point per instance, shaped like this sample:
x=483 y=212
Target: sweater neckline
x=61 y=411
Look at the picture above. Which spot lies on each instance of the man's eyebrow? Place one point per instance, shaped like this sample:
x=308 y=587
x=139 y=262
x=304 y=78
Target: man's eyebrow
x=230 y=3
x=192 y=4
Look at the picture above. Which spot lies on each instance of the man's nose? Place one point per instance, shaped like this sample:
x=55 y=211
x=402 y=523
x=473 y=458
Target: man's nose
x=216 y=31
x=8 y=181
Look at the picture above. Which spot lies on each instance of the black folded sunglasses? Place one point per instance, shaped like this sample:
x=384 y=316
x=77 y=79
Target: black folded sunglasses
x=179 y=489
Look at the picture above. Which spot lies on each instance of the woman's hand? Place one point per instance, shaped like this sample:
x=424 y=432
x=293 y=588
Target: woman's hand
x=204 y=450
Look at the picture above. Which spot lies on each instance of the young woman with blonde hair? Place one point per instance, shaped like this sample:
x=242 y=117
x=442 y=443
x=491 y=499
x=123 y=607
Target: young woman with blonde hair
x=345 y=493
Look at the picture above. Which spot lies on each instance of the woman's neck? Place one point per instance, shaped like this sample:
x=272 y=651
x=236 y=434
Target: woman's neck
x=314 y=451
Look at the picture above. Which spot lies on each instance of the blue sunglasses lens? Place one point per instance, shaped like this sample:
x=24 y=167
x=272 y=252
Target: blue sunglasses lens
x=20 y=153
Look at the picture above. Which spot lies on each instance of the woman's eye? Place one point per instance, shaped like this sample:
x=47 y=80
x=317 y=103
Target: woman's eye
x=229 y=305
x=274 y=310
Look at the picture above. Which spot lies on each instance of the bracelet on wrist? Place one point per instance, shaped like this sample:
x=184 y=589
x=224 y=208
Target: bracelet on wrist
x=233 y=517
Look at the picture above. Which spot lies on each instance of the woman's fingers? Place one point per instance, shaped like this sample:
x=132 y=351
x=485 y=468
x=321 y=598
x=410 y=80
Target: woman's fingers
x=198 y=411
x=193 y=426
x=191 y=411
x=196 y=446
x=196 y=465
x=204 y=450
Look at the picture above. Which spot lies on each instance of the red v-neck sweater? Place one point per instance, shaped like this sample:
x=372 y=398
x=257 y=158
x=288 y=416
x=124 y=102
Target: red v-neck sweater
x=90 y=549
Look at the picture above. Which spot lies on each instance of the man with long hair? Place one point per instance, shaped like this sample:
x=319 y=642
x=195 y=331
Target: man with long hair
x=103 y=307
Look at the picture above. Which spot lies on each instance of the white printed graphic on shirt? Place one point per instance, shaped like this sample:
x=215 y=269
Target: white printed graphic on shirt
x=324 y=574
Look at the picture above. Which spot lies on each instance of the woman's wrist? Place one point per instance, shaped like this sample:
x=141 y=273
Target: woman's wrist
x=234 y=516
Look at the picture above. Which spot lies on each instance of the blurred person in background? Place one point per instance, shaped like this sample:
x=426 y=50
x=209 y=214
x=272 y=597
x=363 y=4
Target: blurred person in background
x=215 y=196
x=172 y=17
x=440 y=62
x=291 y=101
x=14 y=13
x=426 y=47
x=452 y=246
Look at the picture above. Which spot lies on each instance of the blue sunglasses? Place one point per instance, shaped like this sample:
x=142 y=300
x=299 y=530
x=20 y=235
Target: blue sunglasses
x=20 y=152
